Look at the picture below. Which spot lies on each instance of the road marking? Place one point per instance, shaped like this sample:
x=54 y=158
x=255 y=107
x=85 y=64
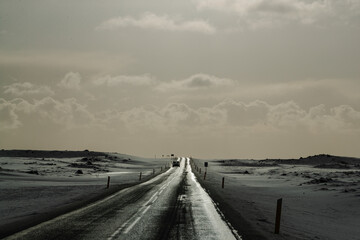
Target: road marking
x=150 y=200
x=145 y=207
x=132 y=225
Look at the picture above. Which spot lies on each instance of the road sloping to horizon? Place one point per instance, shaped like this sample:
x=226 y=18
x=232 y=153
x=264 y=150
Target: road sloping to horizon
x=172 y=205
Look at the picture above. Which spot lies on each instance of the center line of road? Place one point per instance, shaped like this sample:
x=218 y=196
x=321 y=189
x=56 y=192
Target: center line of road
x=146 y=209
x=132 y=225
x=141 y=211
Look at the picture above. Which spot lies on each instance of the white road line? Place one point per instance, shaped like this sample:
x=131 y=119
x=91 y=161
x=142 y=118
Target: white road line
x=114 y=234
x=146 y=209
x=141 y=211
x=132 y=225
x=150 y=200
x=154 y=200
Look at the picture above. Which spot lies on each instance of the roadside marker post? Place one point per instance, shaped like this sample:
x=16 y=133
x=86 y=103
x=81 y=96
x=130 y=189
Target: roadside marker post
x=108 y=182
x=153 y=171
x=200 y=171
x=223 y=181
x=206 y=166
x=278 y=216
x=140 y=176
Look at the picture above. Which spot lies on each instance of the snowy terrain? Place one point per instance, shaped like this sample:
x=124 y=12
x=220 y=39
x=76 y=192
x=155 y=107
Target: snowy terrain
x=320 y=193
x=321 y=196
x=36 y=186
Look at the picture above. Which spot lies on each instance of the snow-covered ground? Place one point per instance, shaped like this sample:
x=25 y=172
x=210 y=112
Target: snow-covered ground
x=34 y=186
x=321 y=195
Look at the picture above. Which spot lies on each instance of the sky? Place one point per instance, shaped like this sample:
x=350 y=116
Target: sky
x=203 y=78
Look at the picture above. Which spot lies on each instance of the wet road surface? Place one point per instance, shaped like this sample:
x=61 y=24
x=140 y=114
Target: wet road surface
x=172 y=205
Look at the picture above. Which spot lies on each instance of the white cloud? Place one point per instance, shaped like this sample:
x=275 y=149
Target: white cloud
x=110 y=81
x=287 y=114
x=254 y=125
x=229 y=115
x=172 y=118
x=197 y=81
x=68 y=112
x=71 y=80
x=26 y=88
x=8 y=117
x=165 y=23
x=242 y=114
x=226 y=115
x=269 y=13
x=347 y=115
x=47 y=111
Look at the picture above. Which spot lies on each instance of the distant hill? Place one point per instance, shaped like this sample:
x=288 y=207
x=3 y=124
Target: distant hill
x=50 y=154
x=317 y=159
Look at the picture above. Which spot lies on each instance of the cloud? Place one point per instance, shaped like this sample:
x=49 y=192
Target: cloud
x=232 y=116
x=180 y=118
x=273 y=13
x=8 y=117
x=172 y=118
x=285 y=115
x=346 y=115
x=242 y=114
x=26 y=88
x=110 y=81
x=165 y=23
x=68 y=112
x=222 y=127
x=197 y=81
x=194 y=82
x=71 y=80
x=47 y=111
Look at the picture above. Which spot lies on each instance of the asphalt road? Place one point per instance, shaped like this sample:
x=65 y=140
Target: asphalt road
x=170 y=206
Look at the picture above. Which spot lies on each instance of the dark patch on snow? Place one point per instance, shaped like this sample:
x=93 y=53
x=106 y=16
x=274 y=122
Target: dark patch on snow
x=33 y=172
x=347 y=190
x=320 y=180
x=333 y=166
x=245 y=163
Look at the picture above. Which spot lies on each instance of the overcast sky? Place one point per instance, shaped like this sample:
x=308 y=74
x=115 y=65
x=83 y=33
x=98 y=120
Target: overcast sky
x=203 y=78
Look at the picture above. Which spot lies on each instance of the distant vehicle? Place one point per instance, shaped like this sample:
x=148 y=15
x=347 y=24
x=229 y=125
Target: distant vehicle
x=176 y=163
